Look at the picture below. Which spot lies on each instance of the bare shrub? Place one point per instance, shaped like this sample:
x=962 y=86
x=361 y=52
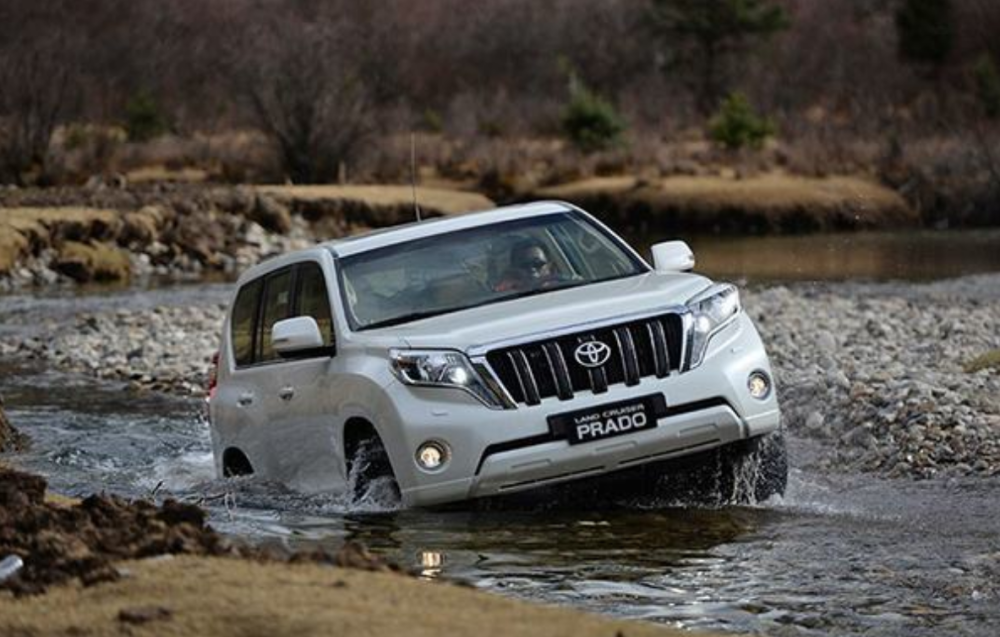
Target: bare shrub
x=35 y=95
x=305 y=92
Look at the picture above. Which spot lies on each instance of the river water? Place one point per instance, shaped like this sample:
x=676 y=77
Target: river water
x=842 y=554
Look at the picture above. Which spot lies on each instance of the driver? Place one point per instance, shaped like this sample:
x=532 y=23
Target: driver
x=530 y=267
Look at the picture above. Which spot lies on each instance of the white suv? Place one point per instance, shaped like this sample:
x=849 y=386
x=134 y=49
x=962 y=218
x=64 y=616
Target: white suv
x=487 y=354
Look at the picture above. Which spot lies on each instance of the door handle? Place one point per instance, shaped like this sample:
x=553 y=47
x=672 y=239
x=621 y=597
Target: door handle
x=286 y=393
x=245 y=399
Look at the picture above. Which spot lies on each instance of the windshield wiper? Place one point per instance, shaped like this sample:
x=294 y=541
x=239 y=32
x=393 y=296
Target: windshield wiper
x=404 y=318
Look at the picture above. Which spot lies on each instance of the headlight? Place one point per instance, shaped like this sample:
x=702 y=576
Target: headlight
x=711 y=310
x=441 y=368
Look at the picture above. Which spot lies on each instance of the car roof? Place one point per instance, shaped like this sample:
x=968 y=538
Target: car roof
x=439 y=225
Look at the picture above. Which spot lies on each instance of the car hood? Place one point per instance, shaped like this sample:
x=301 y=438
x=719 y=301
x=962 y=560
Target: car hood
x=530 y=317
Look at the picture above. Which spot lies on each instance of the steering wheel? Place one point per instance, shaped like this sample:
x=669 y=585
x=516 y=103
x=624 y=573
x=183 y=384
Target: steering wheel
x=589 y=244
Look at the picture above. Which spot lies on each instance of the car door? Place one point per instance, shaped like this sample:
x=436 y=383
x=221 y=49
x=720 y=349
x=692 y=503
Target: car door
x=299 y=397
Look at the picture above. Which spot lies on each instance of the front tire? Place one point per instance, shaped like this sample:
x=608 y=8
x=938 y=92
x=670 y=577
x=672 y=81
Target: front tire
x=369 y=473
x=755 y=470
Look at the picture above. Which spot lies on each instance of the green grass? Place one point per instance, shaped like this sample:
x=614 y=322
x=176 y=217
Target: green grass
x=989 y=360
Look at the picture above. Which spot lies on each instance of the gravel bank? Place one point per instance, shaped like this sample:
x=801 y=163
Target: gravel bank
x=162 y=349
x=875 y=371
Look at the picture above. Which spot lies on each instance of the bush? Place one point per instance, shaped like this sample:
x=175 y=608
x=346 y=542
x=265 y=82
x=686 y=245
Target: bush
x=988 y=85
x=590 y=122
x=143 y=118
x=736 y=125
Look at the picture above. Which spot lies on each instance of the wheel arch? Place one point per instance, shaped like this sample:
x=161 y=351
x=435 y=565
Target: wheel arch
x=236 y=463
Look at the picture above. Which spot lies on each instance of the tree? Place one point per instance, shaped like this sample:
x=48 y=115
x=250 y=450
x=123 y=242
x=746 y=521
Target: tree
x=926 y=30
x=144 y=120
x=35 y=89
x=300 y=82
x=702 y=33
x=589 y=121
x=736 y=125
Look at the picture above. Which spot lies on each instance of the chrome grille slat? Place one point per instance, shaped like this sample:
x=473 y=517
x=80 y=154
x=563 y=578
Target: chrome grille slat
x=519 y=392
x=630 y=359
x=560 y=372
x=661 y=356
x=645 y=347
x=531 y=395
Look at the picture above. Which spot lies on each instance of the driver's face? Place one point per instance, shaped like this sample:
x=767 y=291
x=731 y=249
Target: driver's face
x=534 y=263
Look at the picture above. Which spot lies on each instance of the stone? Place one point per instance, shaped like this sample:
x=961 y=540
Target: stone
x=826 y=342
x=814 y=421
x=10 y=438
x=271 y=215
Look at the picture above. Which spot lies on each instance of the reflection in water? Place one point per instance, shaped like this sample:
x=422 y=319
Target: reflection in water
x=430 y=564
x=909 y=255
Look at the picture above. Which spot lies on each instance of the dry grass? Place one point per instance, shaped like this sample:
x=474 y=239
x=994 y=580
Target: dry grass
x=989 y=360
x=12 y=246
x=767 y=203
x=441 y=201
x=216 y=597
x=21 y=228
x=777 y=192
x=160 y=173
x=95 y=261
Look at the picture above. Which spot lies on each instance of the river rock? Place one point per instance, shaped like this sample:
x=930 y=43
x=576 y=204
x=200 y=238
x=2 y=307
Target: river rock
x=10 y=438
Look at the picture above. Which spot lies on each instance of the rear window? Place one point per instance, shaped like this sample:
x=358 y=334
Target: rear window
x=298 y=290
x=277 y=307
x=244 y=322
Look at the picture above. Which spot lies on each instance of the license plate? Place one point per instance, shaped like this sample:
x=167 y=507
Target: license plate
x=607 y=421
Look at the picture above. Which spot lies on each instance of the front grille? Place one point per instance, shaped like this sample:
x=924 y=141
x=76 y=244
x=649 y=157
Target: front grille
x=532 y=372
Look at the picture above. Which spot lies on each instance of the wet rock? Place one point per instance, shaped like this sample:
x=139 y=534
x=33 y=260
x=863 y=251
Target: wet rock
x=10 y=438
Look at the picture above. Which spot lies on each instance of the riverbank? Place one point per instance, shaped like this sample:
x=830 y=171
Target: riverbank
x=104 y=565
x=51 y=236
x=770 y=203
x=881 y=373
x=67 y=235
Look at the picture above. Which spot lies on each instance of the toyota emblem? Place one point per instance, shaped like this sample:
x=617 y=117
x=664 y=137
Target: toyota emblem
x=592 y=354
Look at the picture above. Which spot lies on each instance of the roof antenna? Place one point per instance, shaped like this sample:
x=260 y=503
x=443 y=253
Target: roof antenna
x=413 y=175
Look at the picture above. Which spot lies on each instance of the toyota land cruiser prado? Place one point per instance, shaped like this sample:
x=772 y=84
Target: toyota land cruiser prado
x=486 y=354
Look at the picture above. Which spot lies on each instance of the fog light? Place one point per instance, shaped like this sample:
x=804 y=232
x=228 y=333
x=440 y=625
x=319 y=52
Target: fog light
x=432 y=455
x=759 y=385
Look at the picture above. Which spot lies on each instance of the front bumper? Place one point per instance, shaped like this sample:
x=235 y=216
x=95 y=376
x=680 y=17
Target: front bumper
x=495 y=452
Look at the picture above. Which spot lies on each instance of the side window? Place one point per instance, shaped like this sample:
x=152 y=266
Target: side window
x=314 y=301
x=277 y=307
x=243 y=322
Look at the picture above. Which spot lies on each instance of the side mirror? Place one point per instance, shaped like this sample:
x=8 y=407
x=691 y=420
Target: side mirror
x=296 y=335
x=672 y=256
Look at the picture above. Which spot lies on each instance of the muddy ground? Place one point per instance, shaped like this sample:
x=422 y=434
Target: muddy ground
x=107 y=566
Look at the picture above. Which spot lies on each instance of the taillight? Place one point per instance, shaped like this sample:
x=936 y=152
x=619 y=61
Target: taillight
x=213 y=375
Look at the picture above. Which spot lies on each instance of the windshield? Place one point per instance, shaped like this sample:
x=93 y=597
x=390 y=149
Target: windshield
x=482 y=265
